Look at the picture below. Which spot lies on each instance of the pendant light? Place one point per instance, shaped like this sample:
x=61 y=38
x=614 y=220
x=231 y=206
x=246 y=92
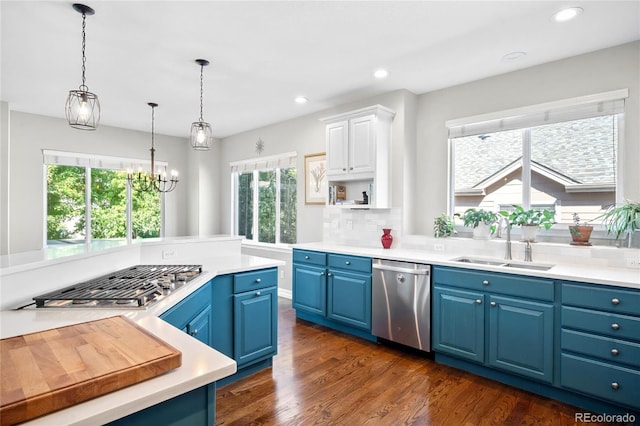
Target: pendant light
x=200 y=135
x=154 y=181
x=83 y=108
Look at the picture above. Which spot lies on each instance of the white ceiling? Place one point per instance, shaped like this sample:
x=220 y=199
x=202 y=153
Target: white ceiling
x=263 y=54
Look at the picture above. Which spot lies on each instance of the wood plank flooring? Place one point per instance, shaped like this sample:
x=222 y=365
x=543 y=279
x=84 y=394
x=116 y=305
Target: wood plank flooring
x=324 y=377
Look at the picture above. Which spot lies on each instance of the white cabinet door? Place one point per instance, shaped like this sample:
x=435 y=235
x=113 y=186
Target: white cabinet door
x=362 y=146
x=337 y=148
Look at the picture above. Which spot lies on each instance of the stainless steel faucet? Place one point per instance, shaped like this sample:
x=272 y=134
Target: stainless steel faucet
x=507 y=253
x=527 y=252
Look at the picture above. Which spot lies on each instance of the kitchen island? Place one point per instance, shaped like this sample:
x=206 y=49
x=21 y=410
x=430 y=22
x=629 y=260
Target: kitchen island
x=201 y=364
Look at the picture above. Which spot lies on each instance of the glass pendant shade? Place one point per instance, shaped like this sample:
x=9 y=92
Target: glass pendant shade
x=82 y=110
x=200 y=136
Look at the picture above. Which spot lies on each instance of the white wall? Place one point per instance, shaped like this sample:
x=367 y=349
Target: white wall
x=601 y=71
x=4 y=177
x=306 y=135
x=29 y=134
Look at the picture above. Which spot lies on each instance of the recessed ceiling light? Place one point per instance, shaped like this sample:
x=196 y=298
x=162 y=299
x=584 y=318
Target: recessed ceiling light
x=567 y=14
x=301 y=100
x=513 y=56
x=381 y=73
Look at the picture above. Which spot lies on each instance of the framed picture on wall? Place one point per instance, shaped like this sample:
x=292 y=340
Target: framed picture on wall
x=315 y=178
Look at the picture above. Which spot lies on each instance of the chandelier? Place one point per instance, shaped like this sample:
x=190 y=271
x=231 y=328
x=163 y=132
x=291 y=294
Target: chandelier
x=82 y=107
x=153 y=181
x=200 y=135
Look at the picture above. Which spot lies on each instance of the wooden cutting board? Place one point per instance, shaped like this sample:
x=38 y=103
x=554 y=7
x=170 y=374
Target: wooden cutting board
x=54 y=369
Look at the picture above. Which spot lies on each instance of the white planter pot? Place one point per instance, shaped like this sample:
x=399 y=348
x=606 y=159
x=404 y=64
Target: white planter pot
x=529 y=232
x=482 y=232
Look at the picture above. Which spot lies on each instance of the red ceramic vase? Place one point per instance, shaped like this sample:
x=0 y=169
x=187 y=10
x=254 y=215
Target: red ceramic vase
x=386 y=238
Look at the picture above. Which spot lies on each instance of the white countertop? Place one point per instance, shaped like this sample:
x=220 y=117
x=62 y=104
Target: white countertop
x=200 y=363
x=583 y=272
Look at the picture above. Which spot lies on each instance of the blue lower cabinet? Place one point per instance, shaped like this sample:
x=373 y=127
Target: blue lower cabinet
x=333 y=290
x=349 y=298
x=256 y=325
x=521 y=337
x=458 y=323
x=194 y=408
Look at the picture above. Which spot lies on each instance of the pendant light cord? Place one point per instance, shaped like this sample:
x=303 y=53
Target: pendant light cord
x=201 y=90
x=83 y=86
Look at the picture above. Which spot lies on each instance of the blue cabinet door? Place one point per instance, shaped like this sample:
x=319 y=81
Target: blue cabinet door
x=521 y=337
x=222 y=334
x=458 y=323
x=349 y=298
x=256 y=325
x=310 y=289
x=200 y=327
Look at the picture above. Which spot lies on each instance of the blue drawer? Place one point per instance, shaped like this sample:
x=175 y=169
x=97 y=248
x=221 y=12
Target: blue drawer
x=600 y=379
x=350 y=263
x=605 y=348
x=310 y=257
x=614 y=325
x=248 y=281
x=514 y=285
x=611 y=299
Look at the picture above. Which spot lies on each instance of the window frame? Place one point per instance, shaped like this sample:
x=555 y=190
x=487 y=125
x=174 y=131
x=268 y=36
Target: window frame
x=62 y=158
x=584 y=108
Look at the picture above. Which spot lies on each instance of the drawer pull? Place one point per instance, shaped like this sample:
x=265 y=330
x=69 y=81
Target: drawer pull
x=258 y=280
x=493 y=303
x=347 y=263
x=614 y=352
x=615 y=386
x=485 y=282
x=329 y=274
x=479 y=302
x=258 y=293
x=615 y=326
x=307 y=257
x=615 y=301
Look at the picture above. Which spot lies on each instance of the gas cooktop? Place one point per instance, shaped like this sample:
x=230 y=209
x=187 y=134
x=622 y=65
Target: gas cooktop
x=135 y=287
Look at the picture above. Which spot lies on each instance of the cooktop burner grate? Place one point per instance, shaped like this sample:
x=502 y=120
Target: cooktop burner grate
x=135 y=286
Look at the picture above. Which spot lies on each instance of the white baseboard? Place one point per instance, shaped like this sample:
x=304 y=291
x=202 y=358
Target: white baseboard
x=287 y=294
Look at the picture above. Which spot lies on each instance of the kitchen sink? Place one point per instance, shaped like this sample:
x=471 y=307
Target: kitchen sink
x=503 y=263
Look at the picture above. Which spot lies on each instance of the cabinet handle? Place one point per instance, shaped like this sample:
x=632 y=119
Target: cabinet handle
x=307 y=257
x=615 y=301
x=614 y=352
x=615 y=386
x=493 y=303
x=344 y=170
x=329 y=274
x=258 y=280
x=350 y=168
x=347 y=263
x=479 y=302
x=485 y=282
x=615 y=326
x=194 y=332
x=258 y=293
x=322 y=274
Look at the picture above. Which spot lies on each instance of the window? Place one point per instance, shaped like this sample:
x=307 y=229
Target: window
x=90 y=204
x=560 y=158
x=264 y=199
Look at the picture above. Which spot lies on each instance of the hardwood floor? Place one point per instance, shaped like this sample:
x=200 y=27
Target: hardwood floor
x=325 y=377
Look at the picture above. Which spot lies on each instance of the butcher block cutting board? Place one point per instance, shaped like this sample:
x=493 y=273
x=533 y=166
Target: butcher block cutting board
x=54 y=369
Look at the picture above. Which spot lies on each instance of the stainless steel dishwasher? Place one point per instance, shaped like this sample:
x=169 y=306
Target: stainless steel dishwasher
x=401 y=303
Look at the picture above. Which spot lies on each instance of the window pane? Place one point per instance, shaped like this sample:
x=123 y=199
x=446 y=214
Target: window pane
x=146 y=214
x=267 y=206
x=108 y=204
x=488 y=170
x=288 y=212
x=245 y=205
x=573 y=166
x=65 y=204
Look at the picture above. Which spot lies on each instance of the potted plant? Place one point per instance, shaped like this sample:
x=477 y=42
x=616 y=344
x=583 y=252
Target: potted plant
x=530 y=220
x=624 y=218
x=580 y=233
x=443 y=226
x=482 y=222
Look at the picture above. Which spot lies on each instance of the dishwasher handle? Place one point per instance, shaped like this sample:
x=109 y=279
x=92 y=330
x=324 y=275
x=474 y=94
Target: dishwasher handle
x=397 y=269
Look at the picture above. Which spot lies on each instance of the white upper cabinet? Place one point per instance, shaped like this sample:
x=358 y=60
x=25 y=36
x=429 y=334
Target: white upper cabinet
x=358 y=150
